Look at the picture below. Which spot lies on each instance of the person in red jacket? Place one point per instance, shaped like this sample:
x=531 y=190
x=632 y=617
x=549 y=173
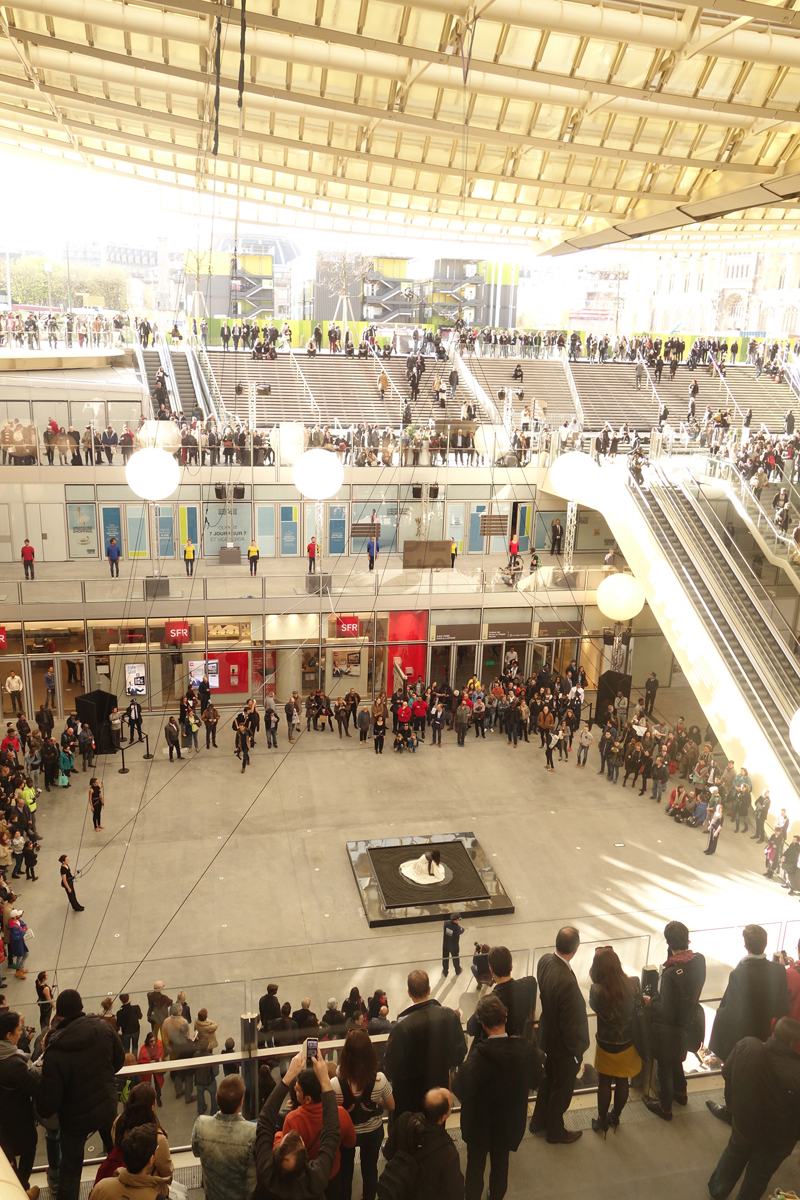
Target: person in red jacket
x=306 y=1120
x=28 y=556
x=403 y=713
x=419 y=710
x=311 y=551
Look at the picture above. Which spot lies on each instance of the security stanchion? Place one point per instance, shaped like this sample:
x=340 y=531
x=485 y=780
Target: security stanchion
x=147 y=747
x=123 y=769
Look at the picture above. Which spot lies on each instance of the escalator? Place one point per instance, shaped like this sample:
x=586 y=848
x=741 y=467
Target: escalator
x=188 y=398
x=759 y=660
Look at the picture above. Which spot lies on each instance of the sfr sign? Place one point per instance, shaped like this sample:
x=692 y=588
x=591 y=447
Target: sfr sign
x=347 y=627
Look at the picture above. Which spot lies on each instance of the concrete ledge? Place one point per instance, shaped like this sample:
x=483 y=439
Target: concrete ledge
x=60 y=360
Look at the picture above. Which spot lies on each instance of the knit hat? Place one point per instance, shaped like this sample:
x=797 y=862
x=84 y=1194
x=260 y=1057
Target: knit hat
x=69 y=1004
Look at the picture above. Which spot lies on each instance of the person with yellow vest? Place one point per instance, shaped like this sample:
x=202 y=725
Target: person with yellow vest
x=188 y=557
x=252 y=557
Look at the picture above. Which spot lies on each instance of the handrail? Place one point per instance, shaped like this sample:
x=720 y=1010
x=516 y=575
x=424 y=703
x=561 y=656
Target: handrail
x=218 y=404
x=198 y=380
x=573 y=387
x=142 y=372
x=304 y=381
x=726 y=603
x=742 y=652
x=772 y=616
x=790 y=370
x=480 y=394
x=724 y=383
x=392 y=384
x=747 y=494
x=165 y=358
x=640 y=358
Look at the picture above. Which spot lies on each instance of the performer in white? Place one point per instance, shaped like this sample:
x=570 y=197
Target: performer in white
x=426 y=869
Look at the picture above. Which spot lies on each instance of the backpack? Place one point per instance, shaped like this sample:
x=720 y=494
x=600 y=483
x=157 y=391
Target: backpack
x=402 y=1175
x=361 y=1108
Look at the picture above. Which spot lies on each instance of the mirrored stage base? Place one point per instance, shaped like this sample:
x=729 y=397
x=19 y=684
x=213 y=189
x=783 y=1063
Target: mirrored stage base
x=471 y=885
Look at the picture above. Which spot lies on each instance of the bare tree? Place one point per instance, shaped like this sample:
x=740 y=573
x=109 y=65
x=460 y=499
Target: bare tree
x=341 y=273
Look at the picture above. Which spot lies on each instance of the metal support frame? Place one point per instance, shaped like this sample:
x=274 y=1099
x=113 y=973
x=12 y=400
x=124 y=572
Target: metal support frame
x=569 y=533
x=617 y=650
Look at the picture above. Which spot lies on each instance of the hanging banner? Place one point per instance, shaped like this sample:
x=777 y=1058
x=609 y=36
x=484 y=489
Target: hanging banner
x=3 y=641
x=347 y=627
x=82 y=530
x=218 y=535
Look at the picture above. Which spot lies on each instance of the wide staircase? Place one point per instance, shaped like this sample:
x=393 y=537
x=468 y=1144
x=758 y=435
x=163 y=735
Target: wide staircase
x=769 y=400
x=608 y=393
x=345 y=389
x=544 y=383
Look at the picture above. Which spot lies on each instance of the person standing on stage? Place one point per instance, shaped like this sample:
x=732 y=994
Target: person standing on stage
x=68 y=883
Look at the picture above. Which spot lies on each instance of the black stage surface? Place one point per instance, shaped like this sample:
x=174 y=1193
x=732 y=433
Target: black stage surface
x=471 y=884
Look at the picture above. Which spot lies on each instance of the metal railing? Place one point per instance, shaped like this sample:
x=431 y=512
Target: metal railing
x=217 y=402
x=481 y=395
x=304 y=383
x=724 y=384
x=573 y=387
x=763 y=520
x=161 y=345
x=641 y=359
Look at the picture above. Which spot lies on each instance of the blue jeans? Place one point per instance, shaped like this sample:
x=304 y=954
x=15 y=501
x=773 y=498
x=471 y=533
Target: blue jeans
x=53 y=1146
x=613 y=772
x=272 y=738
x=658 y=790
x=759 y=1164
x=201 y=1089
x=582 y=750
x=512 y=733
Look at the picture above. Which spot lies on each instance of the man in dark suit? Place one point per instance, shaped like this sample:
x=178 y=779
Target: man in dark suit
x=563 y=1035
x=134 y=715
x=517 y=995
x=426 y=1044
x=556 y=534
x=757 y=992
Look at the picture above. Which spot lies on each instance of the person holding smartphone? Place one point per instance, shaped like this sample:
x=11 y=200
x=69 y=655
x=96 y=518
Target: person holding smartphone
x=306 y=1155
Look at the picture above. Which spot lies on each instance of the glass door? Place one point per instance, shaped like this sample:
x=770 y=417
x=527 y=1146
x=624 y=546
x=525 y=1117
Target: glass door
x=439 y=670
x=540 y=657
x=71 y=670
x=41 y=686
x=466 y=653
x=492 y=662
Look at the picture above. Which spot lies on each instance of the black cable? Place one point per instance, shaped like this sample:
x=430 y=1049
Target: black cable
x=215 y=147
x=242 y=37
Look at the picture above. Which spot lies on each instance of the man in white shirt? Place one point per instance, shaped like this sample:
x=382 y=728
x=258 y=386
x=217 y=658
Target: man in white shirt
x=585 y=739
x=13 y=686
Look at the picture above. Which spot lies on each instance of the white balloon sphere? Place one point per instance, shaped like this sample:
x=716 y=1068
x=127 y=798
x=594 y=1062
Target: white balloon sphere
x=152 y=474
x=318 y=474
x=794 y=731
x=164 y=435
x=619 y=597
x=572 y=475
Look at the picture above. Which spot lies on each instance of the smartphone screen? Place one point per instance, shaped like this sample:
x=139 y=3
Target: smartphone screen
x=311 y=1050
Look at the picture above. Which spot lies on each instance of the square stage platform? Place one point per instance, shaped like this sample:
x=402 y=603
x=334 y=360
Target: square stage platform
x=471 y=885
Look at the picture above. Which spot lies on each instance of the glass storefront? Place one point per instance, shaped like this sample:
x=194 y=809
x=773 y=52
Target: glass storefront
x=258 y=655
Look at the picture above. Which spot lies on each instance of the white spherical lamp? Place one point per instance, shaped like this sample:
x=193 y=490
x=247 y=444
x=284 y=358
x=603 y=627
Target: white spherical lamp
x=318 y=474
x=152 y=474
x=161 y=435
x=794 y=731
x=573 y=475
x=620 y=598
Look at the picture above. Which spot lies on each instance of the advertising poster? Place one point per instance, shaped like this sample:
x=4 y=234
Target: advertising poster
x=288 y=529
x=187 y=519
x=136 y=515
x=135 y=682
x=199 y=668
x=82 y=530
x=265 y=530
x=111 y=516
x=217 y=534
x=166 y=539
x=337 y=529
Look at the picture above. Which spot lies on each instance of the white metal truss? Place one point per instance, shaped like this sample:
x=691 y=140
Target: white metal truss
x=571 y=124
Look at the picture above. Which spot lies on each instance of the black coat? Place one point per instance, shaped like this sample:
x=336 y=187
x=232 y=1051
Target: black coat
x=440 y=1170
x=563 y=1025
x=425 y=1045
x=82 y=1057
x=757 y=991
x=493 y=1086
x=18 y=1086
x=519 y=998
x=763 y=1091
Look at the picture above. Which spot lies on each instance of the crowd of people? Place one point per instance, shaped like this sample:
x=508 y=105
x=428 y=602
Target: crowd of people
x=331 y=1082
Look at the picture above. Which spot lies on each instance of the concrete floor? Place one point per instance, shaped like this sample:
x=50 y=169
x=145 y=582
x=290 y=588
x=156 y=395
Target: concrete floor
x=220 y=903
